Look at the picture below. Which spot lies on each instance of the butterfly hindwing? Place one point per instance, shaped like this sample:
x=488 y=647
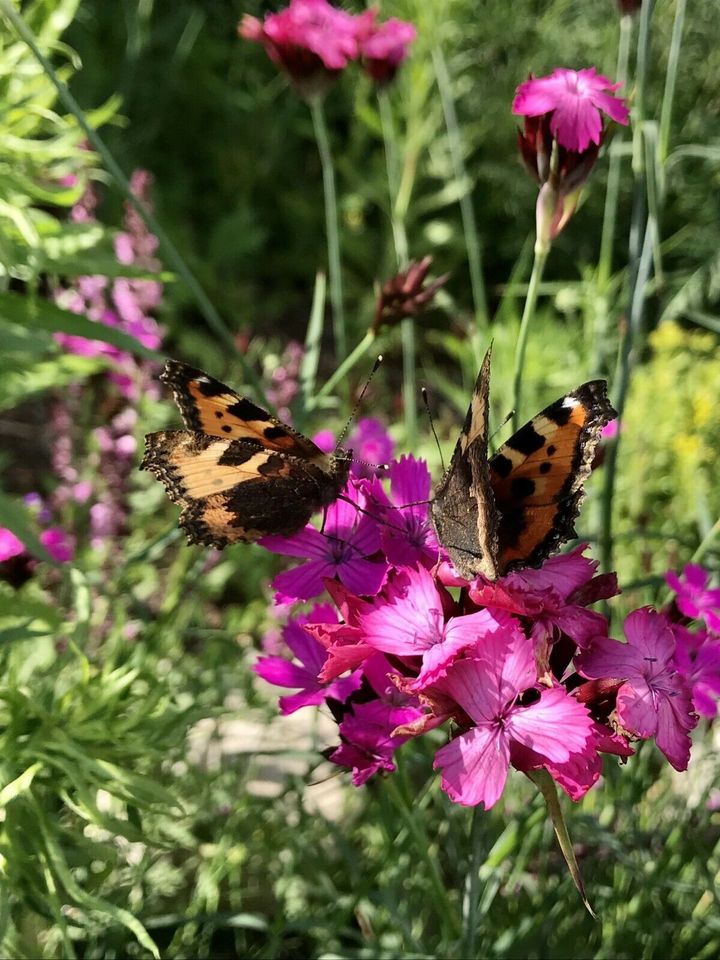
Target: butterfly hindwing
x=514 y=509
x=257 y=477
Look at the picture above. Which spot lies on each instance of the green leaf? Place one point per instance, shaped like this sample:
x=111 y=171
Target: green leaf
x=44 y=315
x=20 y=381
x=18 y=785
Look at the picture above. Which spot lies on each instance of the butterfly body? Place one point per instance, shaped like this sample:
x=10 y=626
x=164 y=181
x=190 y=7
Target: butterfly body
x=512 y=510
x=238 y=473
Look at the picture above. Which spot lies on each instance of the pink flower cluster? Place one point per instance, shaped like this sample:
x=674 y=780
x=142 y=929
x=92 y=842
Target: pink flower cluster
x=521 y=667
x=697 y=646
x=314 y=41
x=124 y=303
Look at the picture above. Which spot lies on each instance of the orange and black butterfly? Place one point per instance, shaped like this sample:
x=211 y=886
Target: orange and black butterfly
x=238 y=473
x=512 y=510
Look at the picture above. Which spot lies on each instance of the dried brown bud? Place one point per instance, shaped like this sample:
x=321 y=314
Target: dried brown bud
x=405 y=294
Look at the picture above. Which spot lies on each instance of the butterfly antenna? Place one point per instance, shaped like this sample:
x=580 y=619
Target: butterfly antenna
x=507 y=419
x=357 y=403
x=432 y=425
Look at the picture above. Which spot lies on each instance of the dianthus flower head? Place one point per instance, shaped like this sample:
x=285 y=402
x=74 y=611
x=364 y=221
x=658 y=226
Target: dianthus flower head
x=694 y=598
x=697 y=658
x=496 y=687
x=383 y=46
x=575 y=101
x=653 y=699
x=372 y=447
x=408 y=536
x=311 y=40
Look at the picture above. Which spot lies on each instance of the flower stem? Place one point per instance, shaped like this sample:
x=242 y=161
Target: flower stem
x=472 y=882
x=400 y=242
x=670 y=80
x=467 y=212
x=342 y=370
x=640 y=251
x=541 y=255
x=423 y=848
x=172 y=254
x=331 y=226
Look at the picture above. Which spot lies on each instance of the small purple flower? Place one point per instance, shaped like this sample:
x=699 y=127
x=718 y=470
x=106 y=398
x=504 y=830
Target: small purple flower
x=304 y=674
x=368 y=742
x=408 y=536
x=697 y=658
x=694 y=598
x=347 y=549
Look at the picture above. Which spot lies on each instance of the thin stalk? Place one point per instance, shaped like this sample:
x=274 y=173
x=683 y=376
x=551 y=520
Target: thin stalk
x=467 y=212
x=640 y=249
x=472 y=882
x=400 y=242
x=343 y=369
x=331 y=226
x=171 y=253
x=541 y=255
x=670 y=81
x=423 y=849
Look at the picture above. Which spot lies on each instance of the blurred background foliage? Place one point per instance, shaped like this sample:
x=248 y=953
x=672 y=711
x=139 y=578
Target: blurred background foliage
x=136 y=819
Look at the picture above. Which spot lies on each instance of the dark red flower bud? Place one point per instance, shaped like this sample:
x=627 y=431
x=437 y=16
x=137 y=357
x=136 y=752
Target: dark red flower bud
x=405 y=294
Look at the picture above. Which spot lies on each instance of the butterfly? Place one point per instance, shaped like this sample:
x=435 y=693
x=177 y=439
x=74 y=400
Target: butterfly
x=237 y=472
x=512 y=510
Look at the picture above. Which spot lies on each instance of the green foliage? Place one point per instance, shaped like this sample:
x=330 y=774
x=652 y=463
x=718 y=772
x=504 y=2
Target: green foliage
x=150 y=801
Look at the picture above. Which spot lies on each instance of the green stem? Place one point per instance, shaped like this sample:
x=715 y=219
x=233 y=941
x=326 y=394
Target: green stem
x=472 y=882
x=640 y=250
x=400 y=242
x=423 y=848
x=343 y=370
x=670 y=80
x=331 y=226
x=541 y=255
x=467 y=212
x=169 y=249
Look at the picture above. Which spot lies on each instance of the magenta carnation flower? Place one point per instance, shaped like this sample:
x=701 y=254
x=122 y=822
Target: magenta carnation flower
x=575 y=100
x=408 y=536
x=697 y=658
x=491 y=687
x=694 y=598
x=372 y=447
x=653 y=700
x=303 y=674
x=383 y=46
x=10 y=546
x=311 y=40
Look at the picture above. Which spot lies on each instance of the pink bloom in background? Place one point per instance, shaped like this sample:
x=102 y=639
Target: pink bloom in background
x=311 y=40
x=575 y=100
x=487 y=686
x=303 y=674
x=653 y=699
x=694 y=598
x=383 y=47
x=610 y=430
x=697 y=658
x=370 y=442
x=58 y=543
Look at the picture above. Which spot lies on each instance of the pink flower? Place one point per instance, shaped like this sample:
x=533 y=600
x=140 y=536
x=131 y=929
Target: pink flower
x=697 y=658
x=575 y=101
x=408 y=536
x=345 y=549
x=488 y=687
x=694 y=599
x=304 y=674
x=384 y=46
x=653 y=699
x=610 y=430
x=372 y=447
x=10 y=546
x=59 y=544
x=409 y=621
x=311 y=40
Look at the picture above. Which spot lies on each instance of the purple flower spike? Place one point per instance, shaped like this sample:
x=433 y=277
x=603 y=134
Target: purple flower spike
x=345 y=549
x=304 y=674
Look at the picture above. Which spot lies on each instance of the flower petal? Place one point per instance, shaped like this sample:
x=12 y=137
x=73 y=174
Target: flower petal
x=474 y=767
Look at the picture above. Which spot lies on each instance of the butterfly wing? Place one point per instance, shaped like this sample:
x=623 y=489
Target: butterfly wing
x=463 y=509
x=538 y=475
x=210 y=407
x=232 y=490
